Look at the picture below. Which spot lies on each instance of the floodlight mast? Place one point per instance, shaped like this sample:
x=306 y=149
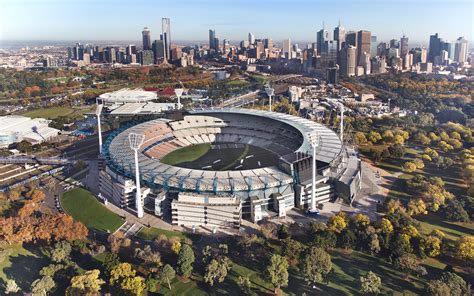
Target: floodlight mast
x=179 y=93
x=270 y=93
x=314 y=141
x=136 y=140
x=341 y=106
x=99 y=128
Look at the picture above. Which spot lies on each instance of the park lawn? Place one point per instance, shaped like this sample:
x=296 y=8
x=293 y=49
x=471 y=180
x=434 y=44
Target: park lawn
x=21 y=265
x=453 y=230
x=152 y=233
x=83 y=207
x=186 y=154
x=50 y=113
x=237 y=83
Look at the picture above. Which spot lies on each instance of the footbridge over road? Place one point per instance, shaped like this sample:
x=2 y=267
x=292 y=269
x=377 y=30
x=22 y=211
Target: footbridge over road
x=35 y=160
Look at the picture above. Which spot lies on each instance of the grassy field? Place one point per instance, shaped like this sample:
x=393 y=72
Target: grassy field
x=50 y=113
x=152 y=233
x=22 y=265
x=82 y=206
x=186 y=154
x=221 y=157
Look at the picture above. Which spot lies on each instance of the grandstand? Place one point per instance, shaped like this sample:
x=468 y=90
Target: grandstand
x=269 y=190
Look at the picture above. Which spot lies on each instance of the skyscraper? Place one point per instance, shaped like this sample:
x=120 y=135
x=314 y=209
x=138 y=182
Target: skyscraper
x=321 y=37
x=287 y=48
x=212 y=37
x=166 y=36
x=251 y=38
x=351 y=38
x=403 y=45
x=435 y=47
x=146 y=39
x=339 y=36
x=348 y=60
x=158 y=48
x=460 y=50
x=363 y=45
x=446 y=45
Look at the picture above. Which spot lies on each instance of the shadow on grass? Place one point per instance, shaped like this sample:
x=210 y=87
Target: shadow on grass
x=25 y=270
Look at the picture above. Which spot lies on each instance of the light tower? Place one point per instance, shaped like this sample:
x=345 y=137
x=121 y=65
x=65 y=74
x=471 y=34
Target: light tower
x=270 y=93
x=98 y=110
x=341 y=107
x=136 y=140
x=315 y=141
x=179 y=93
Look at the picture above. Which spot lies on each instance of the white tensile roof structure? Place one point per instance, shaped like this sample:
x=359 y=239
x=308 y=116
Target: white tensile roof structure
x=126 y=95
x=15 y=128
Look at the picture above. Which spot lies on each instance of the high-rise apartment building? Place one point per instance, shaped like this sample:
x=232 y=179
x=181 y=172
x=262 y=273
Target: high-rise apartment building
x=287 y=48
x=251 y=38
x=166 y=36
x=146 y=39
x=348 y=61
x=460 y=50
x=403 y=45
x=321 y=37
x=212 y=37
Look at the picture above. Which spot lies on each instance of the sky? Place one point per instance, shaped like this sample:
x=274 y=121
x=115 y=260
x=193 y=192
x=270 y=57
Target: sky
x=299 y=20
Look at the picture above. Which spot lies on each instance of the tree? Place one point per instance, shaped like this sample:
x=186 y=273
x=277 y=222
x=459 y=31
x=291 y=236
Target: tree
x=185 y=261
x=370 y=284
x=167 y=275
x=432 y=245
x=269 y=230
x=359 y=138
x=11 y=287
x=419 y=163
x=151 y=259
x=277 y=271
x=409 y=263
x=216 y=270
x=123 y=277
x=416 y=207
x=438 y=288
x=409 y=167
x=61 y=252
x=448 y=284
x=86 y=284
x=117 y=241
x=245 y=284
x=134 y=285
x=284 y=232
x=316 y=265
x=374 y=137
x=176 y=246
x=338 y=222
x=292 y=250
x=465 y=247
x=42 y=286
x=455 y=211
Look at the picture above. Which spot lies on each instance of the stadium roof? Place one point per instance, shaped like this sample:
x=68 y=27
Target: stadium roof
x=15 y=128
x=126 y=95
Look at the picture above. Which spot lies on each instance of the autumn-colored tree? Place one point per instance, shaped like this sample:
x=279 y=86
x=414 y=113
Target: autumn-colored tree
x=465 y=247
x=88 y=284
x=338 y=222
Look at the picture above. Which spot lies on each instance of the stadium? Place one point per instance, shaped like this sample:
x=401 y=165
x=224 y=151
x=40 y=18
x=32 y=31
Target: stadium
x=215 y=167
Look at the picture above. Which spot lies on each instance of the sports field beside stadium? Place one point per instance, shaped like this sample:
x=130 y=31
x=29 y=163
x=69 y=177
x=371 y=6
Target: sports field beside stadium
x=221 y=157
x=83 y=207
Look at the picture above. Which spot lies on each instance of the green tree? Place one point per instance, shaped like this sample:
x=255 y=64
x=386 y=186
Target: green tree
x=316 y=265
x=86 y=284
x=61 y=251
x=167 y=275
x=185 y=261
x=216 y=270
x=277 y=271
x=245 y=284
x=370 y=284
x=42 y=286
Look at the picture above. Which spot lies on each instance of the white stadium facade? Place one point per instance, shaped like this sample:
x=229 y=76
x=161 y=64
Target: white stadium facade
x=221 y=198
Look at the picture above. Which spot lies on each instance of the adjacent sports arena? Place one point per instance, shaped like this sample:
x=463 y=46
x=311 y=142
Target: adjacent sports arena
x=214 y=167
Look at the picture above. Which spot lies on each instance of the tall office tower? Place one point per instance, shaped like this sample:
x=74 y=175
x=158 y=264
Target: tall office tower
x=131 y=49
x=424 y=55
x=287 y=48
x=446 y=45
x=225 y=46
x=373 y=46
x=348 y=60
x=339 y=35
x=403 y=46
x=166 y=31
x=435 y=47
x=329 y=56
x=321 y=37
x=251 y=39
x=158 y=48
x=146 y=39
x=460 y=50
x=212 y=37
x=268 y=43
x=260 y=49
x=363 y=45
x=351 y=38
x=146 y=57
x=382 y=49
x=394 y=43
x=444 y=57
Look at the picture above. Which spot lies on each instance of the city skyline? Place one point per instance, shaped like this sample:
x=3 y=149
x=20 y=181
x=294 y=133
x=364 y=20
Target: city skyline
x=384 y=20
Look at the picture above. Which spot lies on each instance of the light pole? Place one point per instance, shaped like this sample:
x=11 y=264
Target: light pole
x=314 y=140
x=179 y=92
x=341 y=106
x=270 y=93
x=136 y=140
x=98 y=110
